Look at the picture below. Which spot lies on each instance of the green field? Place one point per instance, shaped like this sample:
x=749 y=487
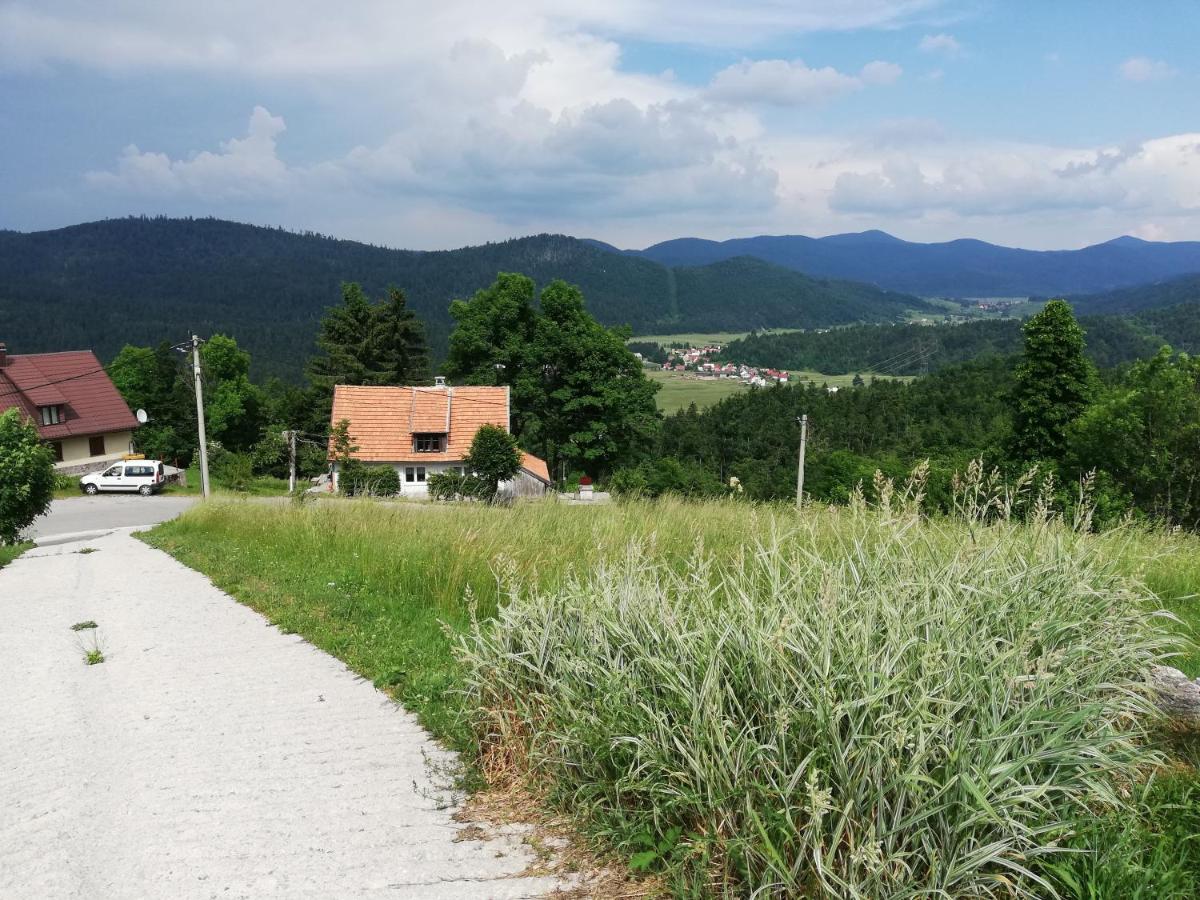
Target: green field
x=701 y=338
x=747 y=700
x=678 y=390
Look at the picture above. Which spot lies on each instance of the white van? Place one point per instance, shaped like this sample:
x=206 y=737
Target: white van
x=146 y=476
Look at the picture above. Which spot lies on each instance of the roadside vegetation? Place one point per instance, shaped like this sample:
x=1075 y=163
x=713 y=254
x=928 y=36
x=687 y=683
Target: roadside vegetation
x=9 y=552
x=852 y=702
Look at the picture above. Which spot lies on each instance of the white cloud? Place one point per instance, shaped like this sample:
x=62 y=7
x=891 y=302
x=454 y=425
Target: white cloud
x=880 y=72
x=1158 y=177
x=601 y=160
x=940 y=43
x=312 y=37
x=1141 y=68
x=245 y=166
x=792 y=83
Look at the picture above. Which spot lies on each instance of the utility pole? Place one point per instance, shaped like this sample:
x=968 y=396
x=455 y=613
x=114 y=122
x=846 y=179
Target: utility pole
x=193 y=344
x=204 y=486
x=800 y=467
x=291 y=439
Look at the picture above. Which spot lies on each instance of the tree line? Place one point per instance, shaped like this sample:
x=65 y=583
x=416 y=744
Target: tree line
x=582 y=401
x=1137 y=428
x=580 y=398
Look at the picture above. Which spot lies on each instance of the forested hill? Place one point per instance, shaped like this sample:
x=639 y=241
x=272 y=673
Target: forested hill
x=142 y=280
x=917 y=349
x=1185 y=289
x=961 y=268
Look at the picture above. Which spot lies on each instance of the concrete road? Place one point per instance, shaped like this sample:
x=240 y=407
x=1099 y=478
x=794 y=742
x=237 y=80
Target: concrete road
x=209 y=755
x=83 y=514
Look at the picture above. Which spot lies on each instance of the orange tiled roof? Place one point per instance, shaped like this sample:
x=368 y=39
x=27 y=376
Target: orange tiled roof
x=383 y=420
x=535 y=467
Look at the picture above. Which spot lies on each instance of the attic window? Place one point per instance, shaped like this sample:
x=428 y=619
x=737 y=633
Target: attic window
x=429 y=443
x=51 y=415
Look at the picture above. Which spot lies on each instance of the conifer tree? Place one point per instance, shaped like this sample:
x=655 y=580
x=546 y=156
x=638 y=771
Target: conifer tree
x=1054 y=382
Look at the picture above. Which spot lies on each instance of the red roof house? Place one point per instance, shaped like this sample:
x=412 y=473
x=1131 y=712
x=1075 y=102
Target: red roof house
x=72 y=401
x=424 y=430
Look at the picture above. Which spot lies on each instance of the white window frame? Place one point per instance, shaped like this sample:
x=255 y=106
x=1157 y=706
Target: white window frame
x=50 y=415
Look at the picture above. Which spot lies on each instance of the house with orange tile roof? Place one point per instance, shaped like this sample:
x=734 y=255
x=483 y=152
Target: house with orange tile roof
x=74 y=405
x=423 y=430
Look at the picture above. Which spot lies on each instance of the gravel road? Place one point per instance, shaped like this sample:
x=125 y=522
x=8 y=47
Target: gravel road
x=209 y=755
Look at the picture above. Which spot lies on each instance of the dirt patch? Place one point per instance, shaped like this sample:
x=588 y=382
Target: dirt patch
x=515 y=809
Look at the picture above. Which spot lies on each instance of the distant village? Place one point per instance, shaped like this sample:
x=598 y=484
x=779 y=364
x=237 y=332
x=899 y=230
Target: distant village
x=700 y=361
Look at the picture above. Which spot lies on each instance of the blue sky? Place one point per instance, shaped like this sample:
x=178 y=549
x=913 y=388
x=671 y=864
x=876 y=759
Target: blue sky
x=409 y=124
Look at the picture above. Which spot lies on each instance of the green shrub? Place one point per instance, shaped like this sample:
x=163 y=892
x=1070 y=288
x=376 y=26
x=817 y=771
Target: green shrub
x=454 y=486
x=26 y=475
x=235 y=470
x=887 y=710
x=356 y=479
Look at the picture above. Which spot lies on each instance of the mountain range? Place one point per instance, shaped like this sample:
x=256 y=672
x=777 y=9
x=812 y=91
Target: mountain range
x=103 y=284
x=142 y=280
x=961 y=268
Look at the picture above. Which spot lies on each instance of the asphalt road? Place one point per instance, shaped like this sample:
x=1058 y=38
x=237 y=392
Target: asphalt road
x=209 y=755
x=103 y=512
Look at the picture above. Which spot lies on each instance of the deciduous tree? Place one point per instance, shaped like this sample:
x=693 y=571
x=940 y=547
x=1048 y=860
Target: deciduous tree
x=579 y=395
x=26 y=475
x=493 y=458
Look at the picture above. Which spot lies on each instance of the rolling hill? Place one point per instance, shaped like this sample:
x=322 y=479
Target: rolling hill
x=143 y=280
x=961 y=268
x=910 y=349
x=1142 y=297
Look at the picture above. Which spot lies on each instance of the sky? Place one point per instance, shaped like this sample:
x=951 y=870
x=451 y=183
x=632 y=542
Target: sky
x=437 y=125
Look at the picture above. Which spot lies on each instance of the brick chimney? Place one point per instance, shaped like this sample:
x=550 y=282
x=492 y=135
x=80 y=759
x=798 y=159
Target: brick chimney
x=3 y=355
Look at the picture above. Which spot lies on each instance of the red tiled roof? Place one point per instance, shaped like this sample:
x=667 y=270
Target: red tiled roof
x=74 y=380
x=384 y=419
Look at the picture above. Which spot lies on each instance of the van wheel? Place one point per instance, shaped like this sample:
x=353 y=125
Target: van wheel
x=90 y=489
x=145 y=490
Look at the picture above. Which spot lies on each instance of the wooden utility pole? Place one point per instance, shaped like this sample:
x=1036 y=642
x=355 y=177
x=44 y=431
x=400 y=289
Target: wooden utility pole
x=800 y=466
x=291 y=439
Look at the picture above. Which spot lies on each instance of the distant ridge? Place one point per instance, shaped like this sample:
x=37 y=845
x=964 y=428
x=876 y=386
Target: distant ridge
x=1185 y=289
x=959 y=268
x=143 y=280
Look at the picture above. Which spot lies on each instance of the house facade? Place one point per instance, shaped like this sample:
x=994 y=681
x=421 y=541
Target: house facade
x=76 y=408
x=421 y=431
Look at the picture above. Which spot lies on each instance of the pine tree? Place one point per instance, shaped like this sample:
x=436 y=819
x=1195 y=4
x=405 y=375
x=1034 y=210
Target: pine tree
x=399 y=342
x=365 y=343
x=1054 y=382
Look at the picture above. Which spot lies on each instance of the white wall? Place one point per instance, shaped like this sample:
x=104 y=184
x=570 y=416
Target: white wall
x=408 y=488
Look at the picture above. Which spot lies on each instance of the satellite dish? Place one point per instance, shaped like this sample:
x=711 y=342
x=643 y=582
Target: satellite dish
x=142 y=417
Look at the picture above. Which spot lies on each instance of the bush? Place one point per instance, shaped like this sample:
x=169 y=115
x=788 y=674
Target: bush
x=885 y=710
x=26 y=475
x=235 y=470
x=357 y=479
x=493 y=458
x=453 y=486
x=666 y=475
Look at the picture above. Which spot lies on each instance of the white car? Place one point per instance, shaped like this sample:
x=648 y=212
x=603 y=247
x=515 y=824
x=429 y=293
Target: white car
x=146 y=476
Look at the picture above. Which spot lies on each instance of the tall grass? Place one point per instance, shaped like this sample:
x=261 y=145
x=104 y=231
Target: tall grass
x=887 y=709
